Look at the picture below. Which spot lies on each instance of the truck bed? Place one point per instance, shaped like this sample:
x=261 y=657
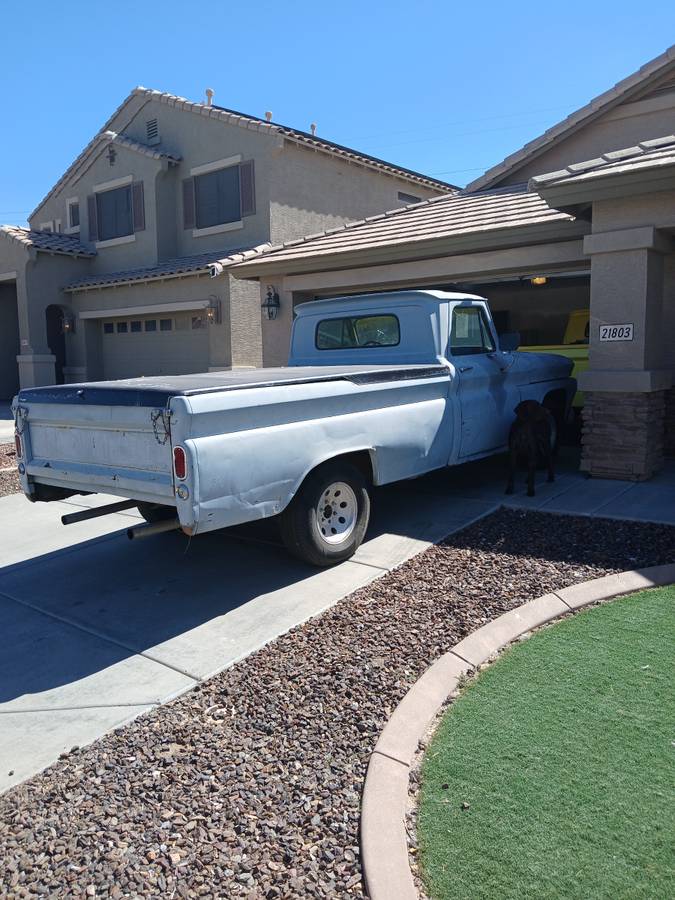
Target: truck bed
x=157 y=390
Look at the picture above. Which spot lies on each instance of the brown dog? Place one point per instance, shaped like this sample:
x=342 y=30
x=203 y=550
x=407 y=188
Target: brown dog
x=530 y=439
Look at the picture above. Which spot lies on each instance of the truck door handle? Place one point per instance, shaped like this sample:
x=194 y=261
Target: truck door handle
x=465 y=368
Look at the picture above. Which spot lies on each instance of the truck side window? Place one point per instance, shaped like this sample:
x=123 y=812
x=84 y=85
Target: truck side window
x=470 y=333
x=352 y=332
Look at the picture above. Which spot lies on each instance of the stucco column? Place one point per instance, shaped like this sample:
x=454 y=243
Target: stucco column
x=35 y=360
x=626 y=383
x=276 y=333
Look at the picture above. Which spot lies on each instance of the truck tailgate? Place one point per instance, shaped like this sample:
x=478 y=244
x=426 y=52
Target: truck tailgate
x=123 y=450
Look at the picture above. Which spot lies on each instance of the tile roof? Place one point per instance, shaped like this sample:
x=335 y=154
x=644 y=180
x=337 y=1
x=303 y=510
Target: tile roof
x=47 y=241
x=244 y=121
x=461 y=215
x=105 y=136
x=623 y=91
x=170 y=268
x=652 y=154
x=127 y=142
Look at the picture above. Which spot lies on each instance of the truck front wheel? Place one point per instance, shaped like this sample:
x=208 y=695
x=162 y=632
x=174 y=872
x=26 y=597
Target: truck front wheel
x=327 y=519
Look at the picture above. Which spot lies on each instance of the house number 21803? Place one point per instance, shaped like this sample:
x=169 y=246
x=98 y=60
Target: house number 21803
x=616 y=332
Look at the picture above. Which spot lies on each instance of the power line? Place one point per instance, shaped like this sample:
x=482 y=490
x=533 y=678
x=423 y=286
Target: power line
x=380 y=147
x=461 y=123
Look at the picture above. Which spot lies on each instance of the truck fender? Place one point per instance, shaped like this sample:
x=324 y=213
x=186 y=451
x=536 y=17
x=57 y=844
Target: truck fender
x=364 y=457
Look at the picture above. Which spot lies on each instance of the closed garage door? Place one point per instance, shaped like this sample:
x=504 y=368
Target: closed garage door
x=161 y=345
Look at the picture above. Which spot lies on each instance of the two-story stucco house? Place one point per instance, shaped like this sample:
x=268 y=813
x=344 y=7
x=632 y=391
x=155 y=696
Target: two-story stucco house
x=112 y=277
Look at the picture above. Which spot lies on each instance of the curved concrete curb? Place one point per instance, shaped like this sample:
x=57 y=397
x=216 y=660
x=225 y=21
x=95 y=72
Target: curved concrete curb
x=384 y=846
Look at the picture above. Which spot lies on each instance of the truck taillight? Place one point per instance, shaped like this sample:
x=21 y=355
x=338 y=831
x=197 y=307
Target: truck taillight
x=179 y=462
x=17 y=444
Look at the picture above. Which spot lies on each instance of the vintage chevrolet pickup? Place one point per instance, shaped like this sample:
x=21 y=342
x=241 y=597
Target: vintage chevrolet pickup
x=379 y=388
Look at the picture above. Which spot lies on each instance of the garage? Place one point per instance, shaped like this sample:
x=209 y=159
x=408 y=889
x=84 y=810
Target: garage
x=168 y=343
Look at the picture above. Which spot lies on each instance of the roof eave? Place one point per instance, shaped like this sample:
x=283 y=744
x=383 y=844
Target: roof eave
x=496 y=239
x=570 y=194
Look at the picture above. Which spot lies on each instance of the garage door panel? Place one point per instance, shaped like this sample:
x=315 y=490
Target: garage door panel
x=177 y=352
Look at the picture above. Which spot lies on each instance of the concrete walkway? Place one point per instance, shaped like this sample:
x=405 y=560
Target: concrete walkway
x=97 y=629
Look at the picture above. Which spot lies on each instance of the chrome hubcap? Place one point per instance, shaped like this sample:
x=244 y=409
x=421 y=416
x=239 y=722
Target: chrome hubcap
x=336 y=513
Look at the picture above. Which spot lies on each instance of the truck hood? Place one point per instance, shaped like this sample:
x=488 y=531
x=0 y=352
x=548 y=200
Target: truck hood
x=534 y=367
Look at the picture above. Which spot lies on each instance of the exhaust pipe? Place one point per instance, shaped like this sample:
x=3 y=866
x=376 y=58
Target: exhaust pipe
x=150 y=528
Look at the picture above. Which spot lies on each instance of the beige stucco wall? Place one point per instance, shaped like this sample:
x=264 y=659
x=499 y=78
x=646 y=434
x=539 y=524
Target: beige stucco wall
x=310 y=192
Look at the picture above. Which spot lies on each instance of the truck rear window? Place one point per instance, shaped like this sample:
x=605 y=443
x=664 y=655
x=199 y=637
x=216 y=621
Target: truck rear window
x=352 y=332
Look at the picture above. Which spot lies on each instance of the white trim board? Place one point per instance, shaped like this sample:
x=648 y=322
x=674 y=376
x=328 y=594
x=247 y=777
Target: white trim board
x=111 y=185
x=7 y=276
x=115 y=242
x=216 y=164
x=217 y=229
x=147 y=310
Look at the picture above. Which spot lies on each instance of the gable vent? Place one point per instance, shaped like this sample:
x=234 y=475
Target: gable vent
x=152 y=131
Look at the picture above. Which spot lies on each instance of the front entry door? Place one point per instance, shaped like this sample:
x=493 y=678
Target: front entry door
x=486 y=396
x=56 y=339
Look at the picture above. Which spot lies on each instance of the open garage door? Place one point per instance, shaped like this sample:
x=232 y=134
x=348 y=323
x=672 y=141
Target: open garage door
x=165 y=344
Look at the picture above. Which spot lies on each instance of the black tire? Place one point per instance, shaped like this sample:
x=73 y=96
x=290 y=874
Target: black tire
x=152 y=512
x=309 y=534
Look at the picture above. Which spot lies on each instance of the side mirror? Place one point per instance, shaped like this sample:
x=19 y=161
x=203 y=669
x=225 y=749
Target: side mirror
x=509 y=341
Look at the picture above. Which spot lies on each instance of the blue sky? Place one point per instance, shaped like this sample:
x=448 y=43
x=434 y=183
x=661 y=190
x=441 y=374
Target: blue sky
x=448 y=89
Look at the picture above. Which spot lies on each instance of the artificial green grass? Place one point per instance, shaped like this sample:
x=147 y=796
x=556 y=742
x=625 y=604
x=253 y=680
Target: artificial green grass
x=564 y=750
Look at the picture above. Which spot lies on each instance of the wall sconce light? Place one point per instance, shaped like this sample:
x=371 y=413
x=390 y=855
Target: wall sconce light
x=213 y=316
x=271 y=304
x=538 y=280
x=68 y=323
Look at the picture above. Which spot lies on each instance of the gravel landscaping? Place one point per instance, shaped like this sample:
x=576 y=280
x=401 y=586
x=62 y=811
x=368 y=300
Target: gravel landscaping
x=9 y=481
x=249 y=785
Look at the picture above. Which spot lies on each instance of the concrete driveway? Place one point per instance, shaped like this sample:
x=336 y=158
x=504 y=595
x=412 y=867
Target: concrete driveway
x=97 y=629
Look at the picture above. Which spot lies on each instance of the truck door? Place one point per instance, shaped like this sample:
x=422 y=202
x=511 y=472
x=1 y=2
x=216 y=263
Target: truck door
x=486 y=396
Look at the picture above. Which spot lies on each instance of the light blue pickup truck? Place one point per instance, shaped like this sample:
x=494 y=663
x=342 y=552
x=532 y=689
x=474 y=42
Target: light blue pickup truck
x=379 y=388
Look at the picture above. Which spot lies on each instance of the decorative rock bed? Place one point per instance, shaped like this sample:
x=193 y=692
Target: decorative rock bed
x=250 y=785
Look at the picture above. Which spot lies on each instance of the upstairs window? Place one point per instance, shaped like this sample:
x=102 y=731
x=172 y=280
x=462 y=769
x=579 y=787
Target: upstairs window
x=114 y=213
x=73 y=214
x=470 y=332
x=219 y=195
x=116 y=210
x=354 y=332
x=217 y=198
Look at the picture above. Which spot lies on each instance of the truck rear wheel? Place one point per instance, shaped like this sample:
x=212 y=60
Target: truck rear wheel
x=327 y=519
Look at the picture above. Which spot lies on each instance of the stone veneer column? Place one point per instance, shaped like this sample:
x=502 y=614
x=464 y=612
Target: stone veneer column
x=626 y=383
x=623 y=434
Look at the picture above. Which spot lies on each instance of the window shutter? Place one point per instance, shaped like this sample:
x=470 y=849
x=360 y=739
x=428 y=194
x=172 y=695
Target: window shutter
x=247 y=188
x=93 y=217
x=188 y=203
x=138 y=205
